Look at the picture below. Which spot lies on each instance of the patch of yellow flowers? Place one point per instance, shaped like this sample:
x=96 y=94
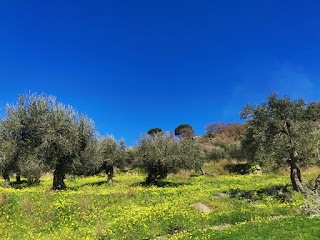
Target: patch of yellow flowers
x=128 y=210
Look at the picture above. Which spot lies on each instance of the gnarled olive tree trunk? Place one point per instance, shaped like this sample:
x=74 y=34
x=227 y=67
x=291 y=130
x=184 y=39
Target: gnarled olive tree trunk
x=151 y=179
x=58 y=178
x=6 y=178
x=18 y=177
x=110 y=172
x=203 y=172
x=317 y=186
x=295 y=174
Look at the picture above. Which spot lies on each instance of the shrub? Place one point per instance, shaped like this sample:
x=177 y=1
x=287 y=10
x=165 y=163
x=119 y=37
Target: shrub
x=311 y=206
x=218 y=153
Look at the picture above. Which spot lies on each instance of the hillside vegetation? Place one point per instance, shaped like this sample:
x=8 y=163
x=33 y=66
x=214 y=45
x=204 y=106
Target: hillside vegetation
x=256 y=180
x=241 y=207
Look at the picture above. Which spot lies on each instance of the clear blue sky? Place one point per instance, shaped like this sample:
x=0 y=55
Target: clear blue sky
x=135 y=65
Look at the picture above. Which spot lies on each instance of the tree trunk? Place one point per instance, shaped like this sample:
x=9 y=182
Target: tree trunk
x=151 y=179
x=18 y=177
x=110 y=173
x=317 y=186
x=6 y=178
x=295 y=175
x=203 y=172
x=58 y=178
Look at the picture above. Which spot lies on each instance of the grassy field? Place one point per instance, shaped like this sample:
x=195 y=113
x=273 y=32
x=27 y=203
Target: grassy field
x=241 y=207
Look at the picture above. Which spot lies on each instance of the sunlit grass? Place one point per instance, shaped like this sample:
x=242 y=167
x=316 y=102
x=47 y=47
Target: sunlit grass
x=91 y=208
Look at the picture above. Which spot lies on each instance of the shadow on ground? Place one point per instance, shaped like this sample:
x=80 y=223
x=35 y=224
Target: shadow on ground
x=93 y=184
x=280 y=192
x=163 y=184
x=21 y=185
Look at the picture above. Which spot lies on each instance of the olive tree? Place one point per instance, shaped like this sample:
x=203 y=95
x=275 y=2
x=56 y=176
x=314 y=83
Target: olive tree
x=8 y=160
x=66 y=138
x=161 y=154
x=21 y=133
x=86 y=161
x=40 y=134
x=111 y=154
x=282 y=132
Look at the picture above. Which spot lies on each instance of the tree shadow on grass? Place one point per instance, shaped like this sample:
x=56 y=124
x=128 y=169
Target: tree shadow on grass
x=280 y=192
x=21 y=185
x=162 y=184
x=24 y=184
x=93 y=184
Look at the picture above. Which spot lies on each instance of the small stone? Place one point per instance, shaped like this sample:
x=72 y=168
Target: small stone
x=202 y=207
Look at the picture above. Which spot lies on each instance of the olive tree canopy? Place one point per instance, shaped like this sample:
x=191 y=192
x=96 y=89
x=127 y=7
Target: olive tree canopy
x=111 y=153
x=38 y=134
x=161 y=154
x=282 y=132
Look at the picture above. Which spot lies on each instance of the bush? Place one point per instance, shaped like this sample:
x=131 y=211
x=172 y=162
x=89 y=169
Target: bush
x=244 y=168
x=311 y=206
x=235 y=151
x=218 y=153
x=221 y=150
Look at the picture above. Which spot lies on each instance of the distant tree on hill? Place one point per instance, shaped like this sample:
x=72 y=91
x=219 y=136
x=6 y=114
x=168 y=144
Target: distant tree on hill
x=160 y=155
x=184 y=131
x=154 y=131
x=280 y=132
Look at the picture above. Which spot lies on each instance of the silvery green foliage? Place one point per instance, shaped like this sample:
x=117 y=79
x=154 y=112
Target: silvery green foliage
x=111 y=151
x=21 y=132
x=282 y=132
x=191 y=154
x=279 y=126
x=311 y=205
x=221 y=150
x=160 y=155
x=39 y=134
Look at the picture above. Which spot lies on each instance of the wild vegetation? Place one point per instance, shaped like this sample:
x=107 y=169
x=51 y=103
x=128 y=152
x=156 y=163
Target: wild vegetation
x=240 y=207
x=168 y=186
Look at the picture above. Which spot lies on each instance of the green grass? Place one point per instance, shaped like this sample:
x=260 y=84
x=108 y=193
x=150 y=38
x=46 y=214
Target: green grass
x=291 y=228
x=93 y=209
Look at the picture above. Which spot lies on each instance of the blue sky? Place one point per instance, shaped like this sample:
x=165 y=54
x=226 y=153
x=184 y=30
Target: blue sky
x=135 y=65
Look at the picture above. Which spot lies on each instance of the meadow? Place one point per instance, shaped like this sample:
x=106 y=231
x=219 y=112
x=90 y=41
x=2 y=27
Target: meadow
x=240 y=207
